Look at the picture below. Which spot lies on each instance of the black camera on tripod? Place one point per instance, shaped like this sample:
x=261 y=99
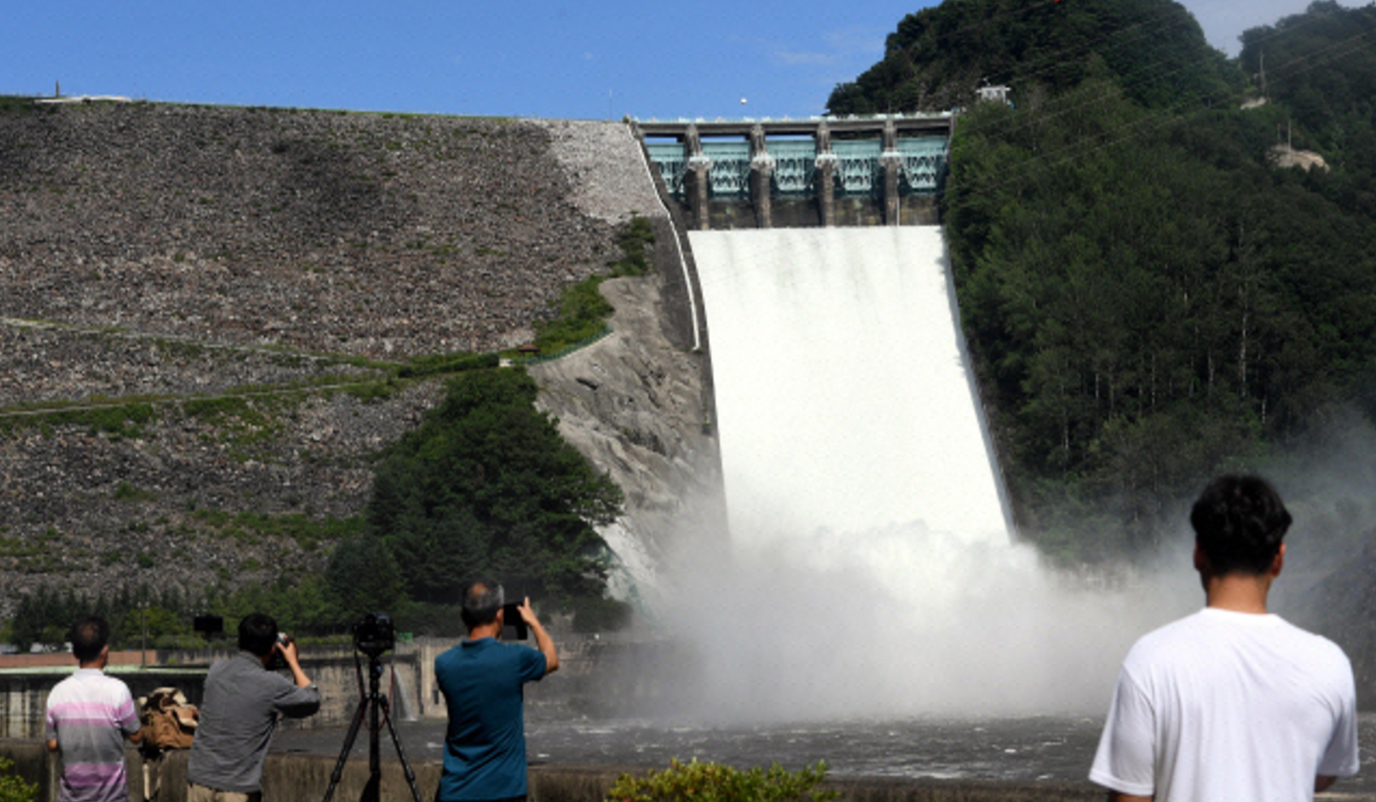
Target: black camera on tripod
x=374 y=634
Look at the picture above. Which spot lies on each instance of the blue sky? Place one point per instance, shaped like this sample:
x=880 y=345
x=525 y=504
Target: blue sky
x=584 y=60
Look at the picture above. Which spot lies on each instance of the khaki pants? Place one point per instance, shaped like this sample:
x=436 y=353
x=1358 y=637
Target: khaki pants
x=199 y=793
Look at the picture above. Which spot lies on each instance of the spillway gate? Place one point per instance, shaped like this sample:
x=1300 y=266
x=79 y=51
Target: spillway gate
x=821 y=171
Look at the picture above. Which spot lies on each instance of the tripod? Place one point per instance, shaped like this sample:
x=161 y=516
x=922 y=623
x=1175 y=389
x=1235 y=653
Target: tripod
x=372 y=703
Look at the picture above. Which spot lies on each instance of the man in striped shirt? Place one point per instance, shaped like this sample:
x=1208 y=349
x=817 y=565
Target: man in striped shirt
x=89 y=716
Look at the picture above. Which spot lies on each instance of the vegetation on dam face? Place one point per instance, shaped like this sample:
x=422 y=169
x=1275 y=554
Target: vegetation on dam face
x=484 y=486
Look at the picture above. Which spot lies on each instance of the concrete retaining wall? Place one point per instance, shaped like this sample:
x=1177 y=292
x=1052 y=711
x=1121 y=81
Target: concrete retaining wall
x=305 y=777
x=24 y=695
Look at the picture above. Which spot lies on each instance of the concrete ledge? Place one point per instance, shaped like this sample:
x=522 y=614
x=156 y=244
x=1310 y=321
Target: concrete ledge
x=299 y=777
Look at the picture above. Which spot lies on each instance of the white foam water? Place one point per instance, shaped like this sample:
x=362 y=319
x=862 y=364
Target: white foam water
x=843 y=390
x=871 y=570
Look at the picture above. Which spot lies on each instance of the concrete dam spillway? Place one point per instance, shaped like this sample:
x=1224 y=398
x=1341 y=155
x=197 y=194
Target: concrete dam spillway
x=843 y=390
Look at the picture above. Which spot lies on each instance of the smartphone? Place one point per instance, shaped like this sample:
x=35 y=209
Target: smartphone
x=514 y=625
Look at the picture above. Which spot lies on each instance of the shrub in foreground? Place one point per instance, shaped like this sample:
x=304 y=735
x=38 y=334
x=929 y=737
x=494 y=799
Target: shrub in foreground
x=13 y=788
x=693 y=781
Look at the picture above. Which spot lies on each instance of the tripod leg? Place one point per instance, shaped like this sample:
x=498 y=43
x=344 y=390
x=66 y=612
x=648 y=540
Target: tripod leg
x=344 y=753
x=372 y=792
x=405 y=766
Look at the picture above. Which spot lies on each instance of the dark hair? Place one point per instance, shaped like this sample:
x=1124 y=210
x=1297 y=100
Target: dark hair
x=1239 y=522
x=481 y=602
x=89 y=636
x=257 y=634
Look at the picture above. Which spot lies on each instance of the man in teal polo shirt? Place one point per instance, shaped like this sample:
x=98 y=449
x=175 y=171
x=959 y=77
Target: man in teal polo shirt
x=482 y=680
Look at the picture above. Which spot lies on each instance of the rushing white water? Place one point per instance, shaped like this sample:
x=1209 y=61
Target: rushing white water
x=871 y=569
x=842 y=385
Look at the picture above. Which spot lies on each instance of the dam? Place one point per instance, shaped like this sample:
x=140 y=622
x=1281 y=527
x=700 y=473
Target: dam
x=842 y=388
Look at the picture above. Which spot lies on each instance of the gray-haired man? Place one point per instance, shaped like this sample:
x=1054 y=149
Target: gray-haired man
x=482 y=680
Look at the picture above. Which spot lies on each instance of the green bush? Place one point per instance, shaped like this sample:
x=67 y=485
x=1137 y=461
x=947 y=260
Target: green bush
x=635 y=239
x=127 y=492
x=713 y=782
x=583 y=313
x=432 y=364
x=487 y=487
x=13 y=788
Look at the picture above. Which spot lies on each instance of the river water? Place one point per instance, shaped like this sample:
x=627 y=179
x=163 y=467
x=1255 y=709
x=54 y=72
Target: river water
x=1007 y=749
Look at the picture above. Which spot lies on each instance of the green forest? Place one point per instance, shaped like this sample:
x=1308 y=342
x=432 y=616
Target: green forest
x=1149 y=296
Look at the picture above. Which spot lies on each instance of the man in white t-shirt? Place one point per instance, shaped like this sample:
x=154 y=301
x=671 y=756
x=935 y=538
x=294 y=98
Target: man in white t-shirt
x=1232 y=702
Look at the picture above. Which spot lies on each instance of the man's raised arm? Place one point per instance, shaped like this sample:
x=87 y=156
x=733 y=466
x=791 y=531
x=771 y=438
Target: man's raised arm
x=542 y=639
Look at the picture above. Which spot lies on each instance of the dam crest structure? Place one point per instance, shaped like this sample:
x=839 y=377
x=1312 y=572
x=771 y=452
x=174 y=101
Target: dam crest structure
x=814 y=172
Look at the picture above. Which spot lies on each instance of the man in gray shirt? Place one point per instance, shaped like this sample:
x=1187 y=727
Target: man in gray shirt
x=239 y=712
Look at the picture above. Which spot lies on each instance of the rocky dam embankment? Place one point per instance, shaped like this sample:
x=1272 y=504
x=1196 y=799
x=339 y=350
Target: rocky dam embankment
x=202 y=310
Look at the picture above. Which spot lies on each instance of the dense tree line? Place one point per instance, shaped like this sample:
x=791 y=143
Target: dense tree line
x=1320 y=67
x=161 y=616
x=46 y=615
x=1148 y=297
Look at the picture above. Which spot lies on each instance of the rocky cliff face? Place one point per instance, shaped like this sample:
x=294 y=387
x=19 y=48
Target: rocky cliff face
x=633 y=404
x=201 y=310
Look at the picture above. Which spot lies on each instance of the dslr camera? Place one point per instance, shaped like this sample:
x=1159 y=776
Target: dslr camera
x=374 y=634
x=278 y=662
